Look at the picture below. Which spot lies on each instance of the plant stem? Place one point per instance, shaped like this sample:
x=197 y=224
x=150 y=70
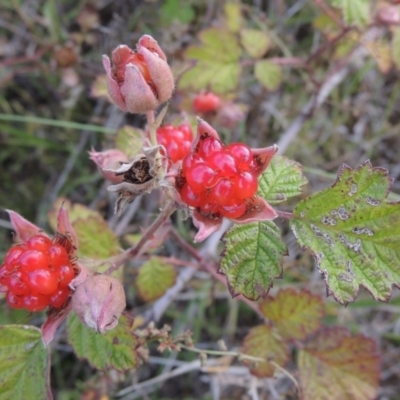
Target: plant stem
x=136 y=250
x=284 y=214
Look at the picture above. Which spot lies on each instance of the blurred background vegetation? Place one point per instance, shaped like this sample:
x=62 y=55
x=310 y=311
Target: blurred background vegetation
x=53 y=109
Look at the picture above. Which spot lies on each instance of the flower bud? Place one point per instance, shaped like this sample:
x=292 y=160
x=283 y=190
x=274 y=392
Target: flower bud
x=99 y=302
x=139 y=81
x=105 y=158
x=388 y=14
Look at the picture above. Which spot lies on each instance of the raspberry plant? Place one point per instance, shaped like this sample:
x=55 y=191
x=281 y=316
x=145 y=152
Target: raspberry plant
x=224 y=187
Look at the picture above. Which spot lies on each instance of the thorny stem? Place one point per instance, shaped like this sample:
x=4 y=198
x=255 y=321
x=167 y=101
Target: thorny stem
x=136 y=250
x=284 y=214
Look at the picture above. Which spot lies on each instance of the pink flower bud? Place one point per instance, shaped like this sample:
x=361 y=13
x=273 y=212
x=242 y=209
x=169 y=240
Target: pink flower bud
x=105 y=158
x=388 y=14
x=139 y=81
x=99 y=302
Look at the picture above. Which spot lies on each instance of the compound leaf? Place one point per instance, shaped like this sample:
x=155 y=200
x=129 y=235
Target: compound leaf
x=355 y=12
x=268 y=74
x=338 y=366
x=281 y=180
x=24 y=363
x=217 y=62
x=296 y=314
x=117 y=349
x=264 y=342
x=354 y=233
x=154 y=279
x=255 y=42
x=251 y=259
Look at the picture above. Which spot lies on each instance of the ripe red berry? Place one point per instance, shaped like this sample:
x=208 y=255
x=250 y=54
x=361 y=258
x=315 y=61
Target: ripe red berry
x=176 y=140
x=206 y=102
x=218 y=180
x=37 y=274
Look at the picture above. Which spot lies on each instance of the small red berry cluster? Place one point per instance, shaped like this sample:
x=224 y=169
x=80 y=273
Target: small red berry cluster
x=218 y=180
x=176 y=140
x=37 y=274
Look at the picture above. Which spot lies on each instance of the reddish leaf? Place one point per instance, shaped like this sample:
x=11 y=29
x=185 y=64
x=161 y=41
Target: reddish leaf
x=295 y=314
x=338 y=366
x=264 y=342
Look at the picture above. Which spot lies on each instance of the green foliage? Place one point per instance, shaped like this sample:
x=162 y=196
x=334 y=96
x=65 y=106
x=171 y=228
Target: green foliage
x=336 y=365
x=281 y=180
x=353 y=232
x=129 y=140
x=251 y=259
x=24 y=363
x=296 y=315
x=216 y=60
x=255 y=42
x=268 y=74
x=116 y=349
x=355 y=12
x=396 y=47
x=154 y=279
x=177 y=10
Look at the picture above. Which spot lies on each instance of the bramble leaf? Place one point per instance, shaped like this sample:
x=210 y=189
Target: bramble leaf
x=354 y=233
x=281 y=180
x=255 y=42
x=268 y=74
x=263 y=341
x=355 y=12
x=217 y=65
x=251 y=259
x=296 y=314
x=336 y=365
x=116 y=349
x=24 y=363
x=154 y=279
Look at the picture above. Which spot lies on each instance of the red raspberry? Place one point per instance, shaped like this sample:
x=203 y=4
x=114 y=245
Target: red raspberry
x=218 y=180
x=206 y=102
x=37 y=274
x=176 y=140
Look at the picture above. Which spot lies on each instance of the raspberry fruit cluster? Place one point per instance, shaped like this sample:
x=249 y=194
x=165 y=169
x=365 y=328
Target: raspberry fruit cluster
x=37 y=274
x=176 y=140
x=218 y=179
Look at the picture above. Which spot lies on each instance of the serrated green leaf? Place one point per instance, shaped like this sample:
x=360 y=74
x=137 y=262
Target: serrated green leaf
x=335 y=365
x=295 y=314
x=268 y=74
x=264 y=342
x=24 y=363
x=217 y=65
x=355 y=12
x=129 y=140
x=396 y=46
x=154 y=279
x=255 y=42
x=354 y=233
x=251 y=259
x=96 y=240
x=116 y=349
x=281 y=180
x=233 y=15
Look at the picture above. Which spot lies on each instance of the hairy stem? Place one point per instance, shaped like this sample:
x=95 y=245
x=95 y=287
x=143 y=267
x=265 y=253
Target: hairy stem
x=135 y=251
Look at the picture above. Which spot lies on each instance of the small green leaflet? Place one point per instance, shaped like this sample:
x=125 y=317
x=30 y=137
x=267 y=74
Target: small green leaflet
x=217 y=62
x=268 y=74
x=355 y=12
x=24 y=363
x=353 y=232
x=117 y=349
x=252 y=258
x=281 y=180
